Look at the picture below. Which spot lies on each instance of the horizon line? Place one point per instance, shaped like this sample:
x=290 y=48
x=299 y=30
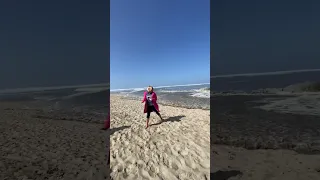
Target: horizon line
x=108 y=84
x=160 y=86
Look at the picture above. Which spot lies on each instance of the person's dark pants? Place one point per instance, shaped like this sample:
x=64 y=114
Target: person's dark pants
x=151 y=109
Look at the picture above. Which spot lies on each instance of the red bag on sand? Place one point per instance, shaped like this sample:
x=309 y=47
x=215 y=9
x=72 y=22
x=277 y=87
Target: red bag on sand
x=107 y=123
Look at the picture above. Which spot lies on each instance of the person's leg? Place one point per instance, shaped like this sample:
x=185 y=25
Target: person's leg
x=154 y=109
x=148 y=116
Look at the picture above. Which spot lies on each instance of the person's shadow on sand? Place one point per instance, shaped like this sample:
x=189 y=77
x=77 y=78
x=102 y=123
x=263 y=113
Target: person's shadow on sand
x=170 y=119
x=113 y=130
x=224 y=175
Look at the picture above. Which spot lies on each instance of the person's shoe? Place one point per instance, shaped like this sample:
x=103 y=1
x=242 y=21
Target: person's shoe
x=104 y=129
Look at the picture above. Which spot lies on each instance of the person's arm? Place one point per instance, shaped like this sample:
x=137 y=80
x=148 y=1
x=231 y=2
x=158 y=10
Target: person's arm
x=144 y=97
x=154 y=97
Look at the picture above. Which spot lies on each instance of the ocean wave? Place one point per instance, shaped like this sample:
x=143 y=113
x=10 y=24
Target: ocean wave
x=127 y=90
x=185 y=85
x=202 y=93
x=173 y=91
x=192 y=90
x=205 y=89
x=160 y=88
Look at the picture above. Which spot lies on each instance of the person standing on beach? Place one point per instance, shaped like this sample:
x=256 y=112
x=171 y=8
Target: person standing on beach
x=151 y=105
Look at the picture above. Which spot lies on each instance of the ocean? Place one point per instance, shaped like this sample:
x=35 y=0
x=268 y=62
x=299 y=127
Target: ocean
x=96 y=97
x=250 y=83
x=188 y=96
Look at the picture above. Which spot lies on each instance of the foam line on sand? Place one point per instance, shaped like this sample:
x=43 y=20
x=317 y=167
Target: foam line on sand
x=177 y=148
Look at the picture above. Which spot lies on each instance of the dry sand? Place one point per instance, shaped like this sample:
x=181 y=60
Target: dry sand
x=178 y=148
x=36 y=144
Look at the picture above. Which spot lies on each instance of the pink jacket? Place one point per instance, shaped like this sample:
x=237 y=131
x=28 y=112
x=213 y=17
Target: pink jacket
x=154 y=101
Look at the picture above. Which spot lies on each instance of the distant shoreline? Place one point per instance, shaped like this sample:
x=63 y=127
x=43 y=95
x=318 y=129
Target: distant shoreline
x=266 y=73
x=166 y=103
x=32 y=89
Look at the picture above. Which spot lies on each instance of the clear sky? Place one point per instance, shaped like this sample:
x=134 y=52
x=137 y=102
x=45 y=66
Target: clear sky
x=159 y=42
x=54 y=43
x=261 y=36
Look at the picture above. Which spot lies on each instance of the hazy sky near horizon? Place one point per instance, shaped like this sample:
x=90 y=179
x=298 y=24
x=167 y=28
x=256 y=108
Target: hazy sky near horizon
x=159 y=42
x=54 y=43
x=252 y=36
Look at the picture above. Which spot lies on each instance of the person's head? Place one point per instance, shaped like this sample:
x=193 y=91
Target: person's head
x=150 y=89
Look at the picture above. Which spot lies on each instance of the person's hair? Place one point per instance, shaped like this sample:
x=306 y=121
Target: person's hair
x=150 y=88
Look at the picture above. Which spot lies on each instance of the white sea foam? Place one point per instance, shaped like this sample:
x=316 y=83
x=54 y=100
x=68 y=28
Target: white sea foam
x=174 y=91
x=131 y=90
x=185 y=85
x=141 y=89
x=201 y=93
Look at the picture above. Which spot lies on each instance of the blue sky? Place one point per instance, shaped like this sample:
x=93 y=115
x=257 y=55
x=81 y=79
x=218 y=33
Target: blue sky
x=159 y=42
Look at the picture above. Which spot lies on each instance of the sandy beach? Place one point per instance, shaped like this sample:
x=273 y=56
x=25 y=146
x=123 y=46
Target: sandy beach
x=178 y=148
x=38 y=143
x=265 y=137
